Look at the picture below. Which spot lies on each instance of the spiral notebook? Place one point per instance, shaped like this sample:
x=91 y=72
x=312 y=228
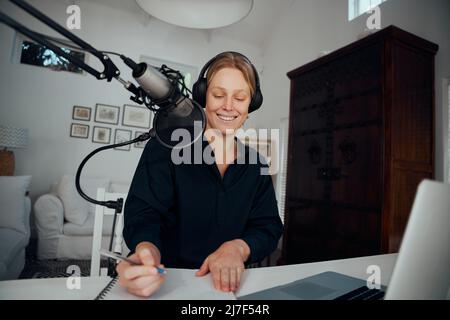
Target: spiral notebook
x=180 y=284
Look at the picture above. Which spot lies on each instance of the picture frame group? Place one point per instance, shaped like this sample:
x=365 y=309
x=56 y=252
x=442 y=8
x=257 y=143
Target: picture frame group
x=132 y=116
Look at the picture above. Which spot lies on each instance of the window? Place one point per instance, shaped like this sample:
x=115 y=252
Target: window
x=358 y=7
x=38 y=55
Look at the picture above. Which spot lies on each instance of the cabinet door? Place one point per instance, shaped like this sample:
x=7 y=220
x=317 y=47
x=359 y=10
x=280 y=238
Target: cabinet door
x=308 y=155
x=357 y=156
x=306 y=234
x=318 y=231
x=355 y=232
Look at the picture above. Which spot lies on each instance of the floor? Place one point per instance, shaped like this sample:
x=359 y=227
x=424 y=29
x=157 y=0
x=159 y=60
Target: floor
x=35 y=268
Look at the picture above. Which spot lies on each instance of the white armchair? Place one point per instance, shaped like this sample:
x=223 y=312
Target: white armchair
x=65 y=221
x=15 y=207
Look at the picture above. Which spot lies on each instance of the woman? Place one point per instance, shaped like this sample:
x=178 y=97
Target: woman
x=216 y=217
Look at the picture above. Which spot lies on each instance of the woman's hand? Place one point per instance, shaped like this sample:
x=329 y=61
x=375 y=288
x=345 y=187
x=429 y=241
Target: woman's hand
x=142 y=280
x=226 y=265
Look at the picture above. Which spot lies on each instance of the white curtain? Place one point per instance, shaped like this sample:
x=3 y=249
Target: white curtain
x=282 y=172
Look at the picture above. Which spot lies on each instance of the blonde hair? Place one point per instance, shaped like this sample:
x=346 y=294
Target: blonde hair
x=236 y=61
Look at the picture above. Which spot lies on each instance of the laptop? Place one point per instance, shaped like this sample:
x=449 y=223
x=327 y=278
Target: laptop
x=422 y=269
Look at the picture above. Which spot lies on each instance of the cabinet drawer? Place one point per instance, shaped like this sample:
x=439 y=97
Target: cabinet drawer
x=359 y=110
x=308 y=120
x=356 y=111
x=310 y=89
x=335 y=221
x=358 y=72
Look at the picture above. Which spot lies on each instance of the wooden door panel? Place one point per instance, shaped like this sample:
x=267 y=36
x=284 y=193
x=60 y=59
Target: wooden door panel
x=413 y=101
x=357 y=153
x=357 y=225
x=310 y=155
x=306 y=240
x=359 y=72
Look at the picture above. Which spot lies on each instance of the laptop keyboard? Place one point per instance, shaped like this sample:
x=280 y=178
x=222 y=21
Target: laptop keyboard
x=362 y=293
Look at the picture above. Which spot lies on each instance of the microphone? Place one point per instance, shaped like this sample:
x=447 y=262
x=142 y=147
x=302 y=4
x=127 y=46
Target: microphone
x=179 y=121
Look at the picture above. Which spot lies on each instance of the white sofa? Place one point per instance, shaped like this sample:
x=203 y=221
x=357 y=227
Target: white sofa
x=15 y=207
x=65 y=221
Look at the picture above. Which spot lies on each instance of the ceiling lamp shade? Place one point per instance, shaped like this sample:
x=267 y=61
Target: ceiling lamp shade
x=198 y=14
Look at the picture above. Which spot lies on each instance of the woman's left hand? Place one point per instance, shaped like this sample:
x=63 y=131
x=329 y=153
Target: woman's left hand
x=226 y=265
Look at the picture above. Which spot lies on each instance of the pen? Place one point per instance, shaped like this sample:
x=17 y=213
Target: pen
x=120 y=258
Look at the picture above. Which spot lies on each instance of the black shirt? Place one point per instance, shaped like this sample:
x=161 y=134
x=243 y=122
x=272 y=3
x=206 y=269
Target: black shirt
x=189 y=210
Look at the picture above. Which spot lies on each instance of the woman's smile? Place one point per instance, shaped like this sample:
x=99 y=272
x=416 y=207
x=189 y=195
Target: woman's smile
x=226 y=118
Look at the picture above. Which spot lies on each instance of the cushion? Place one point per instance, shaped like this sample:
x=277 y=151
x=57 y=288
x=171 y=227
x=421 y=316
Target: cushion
x=87 y=229
x=3 y=270
x=12 y=202
x=76 y=209
x=119 y=187
x=11 y=243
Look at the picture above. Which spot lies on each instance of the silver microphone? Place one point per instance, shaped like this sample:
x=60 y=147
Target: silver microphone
x=152 y=81
x=176 y=111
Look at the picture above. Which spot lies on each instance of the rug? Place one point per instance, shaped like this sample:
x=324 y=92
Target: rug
x=56 y=268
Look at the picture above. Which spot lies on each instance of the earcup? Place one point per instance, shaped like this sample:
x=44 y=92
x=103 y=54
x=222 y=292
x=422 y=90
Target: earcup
x=199 y=92
x=257 y=101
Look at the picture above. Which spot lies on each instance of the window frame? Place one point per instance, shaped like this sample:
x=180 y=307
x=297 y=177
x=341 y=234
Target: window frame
x=354 y=8
x=17 y=54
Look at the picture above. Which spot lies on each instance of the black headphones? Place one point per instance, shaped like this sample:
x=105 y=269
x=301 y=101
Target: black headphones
x=199 y=88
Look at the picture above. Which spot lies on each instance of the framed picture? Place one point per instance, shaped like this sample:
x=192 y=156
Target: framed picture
x=267 y=148
x=142 y=143
x=78 y=130
x=107 y=114
x=122 y=136
x=81 y=113
x=101 y=135
x=134 y=116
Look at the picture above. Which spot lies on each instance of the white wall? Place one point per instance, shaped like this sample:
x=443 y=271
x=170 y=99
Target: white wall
x=42 y=100
x=312 y=26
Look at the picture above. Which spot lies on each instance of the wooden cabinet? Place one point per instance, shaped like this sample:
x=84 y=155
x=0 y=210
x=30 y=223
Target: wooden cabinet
x=361 y=138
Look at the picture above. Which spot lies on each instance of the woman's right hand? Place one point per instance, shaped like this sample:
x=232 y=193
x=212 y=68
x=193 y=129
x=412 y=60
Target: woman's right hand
x=142 y=280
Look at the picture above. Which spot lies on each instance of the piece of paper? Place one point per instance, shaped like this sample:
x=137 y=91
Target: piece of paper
x=180 y=284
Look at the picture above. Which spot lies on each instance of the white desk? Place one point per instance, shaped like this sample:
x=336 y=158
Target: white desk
x=263 y=278
x=253 y=279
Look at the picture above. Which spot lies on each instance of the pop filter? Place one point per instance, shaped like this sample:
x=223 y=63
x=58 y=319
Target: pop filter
x=180 y=125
